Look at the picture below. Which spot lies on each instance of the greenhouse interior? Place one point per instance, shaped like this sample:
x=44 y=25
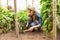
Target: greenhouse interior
x=14 y=15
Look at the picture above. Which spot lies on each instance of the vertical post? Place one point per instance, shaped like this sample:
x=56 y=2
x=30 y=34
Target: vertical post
x=7 y=2
x=26 y=3
x=32 y=2
x=0 y=2
x=16 y=19
x=54 y=20
x=15 y=6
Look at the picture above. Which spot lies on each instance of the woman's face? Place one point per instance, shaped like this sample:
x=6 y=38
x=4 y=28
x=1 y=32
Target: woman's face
x=30 y=12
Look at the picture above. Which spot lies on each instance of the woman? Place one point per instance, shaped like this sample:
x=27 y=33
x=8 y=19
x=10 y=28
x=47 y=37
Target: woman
x=10 y=8
x=34 y=19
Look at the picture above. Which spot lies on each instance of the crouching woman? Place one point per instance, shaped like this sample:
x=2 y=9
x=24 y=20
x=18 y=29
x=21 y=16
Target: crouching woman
x=34 y=19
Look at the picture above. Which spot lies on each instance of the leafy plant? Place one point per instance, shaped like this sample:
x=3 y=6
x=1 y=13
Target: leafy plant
x=46 y=12
x=6 y=19
x=22 y=18
x=58 y=14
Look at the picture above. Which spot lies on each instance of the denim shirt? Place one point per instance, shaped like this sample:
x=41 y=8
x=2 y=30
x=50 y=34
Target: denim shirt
x=39 y=18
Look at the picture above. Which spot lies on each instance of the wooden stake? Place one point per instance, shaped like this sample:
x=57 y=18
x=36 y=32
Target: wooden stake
x=32 y=2
x=16 y=19
x=54 y=20
x=26 y=3
x=0 y=2
x=7 y=2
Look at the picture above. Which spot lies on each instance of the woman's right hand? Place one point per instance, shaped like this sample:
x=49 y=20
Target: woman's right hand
x=26 y=25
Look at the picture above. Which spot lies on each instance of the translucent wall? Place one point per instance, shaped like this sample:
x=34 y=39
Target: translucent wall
x=21 y=4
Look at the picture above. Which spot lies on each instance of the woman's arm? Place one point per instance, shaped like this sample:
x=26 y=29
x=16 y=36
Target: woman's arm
x=27 y=24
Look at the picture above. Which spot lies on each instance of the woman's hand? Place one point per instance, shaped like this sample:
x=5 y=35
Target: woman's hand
x=26 y=25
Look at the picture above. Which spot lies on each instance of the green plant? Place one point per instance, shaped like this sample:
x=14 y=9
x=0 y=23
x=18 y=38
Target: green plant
x=58 y=14
x=22 y=18
x=6 y=20
x=46 y=12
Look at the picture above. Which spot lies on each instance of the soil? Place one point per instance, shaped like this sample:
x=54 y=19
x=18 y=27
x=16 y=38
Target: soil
x=24 y=36
x=58 y=35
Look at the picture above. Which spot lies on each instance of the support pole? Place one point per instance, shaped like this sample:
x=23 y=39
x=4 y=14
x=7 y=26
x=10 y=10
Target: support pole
x=26 y=3
x=7 y=2
x=16 y=19
x=54 y=20
x=32 y=2
x=0 y=2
